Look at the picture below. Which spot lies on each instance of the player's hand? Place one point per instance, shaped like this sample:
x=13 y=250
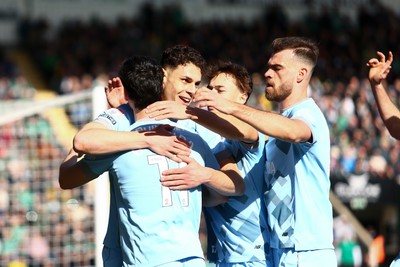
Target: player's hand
x=189 y=176
x=206 y=98
x=115 y=93
x=167 y=110
x=161 y=141
x=379 y=68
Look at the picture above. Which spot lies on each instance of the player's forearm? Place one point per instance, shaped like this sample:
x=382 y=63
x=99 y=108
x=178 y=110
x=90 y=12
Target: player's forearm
x=104 y=141
x=272 y=124
x=389 y=113
x=70 y=174
x=226 y=125
x=226 y=182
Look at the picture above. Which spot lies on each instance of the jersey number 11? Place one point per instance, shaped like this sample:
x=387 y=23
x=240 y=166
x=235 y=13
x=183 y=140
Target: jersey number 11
x=166 y=194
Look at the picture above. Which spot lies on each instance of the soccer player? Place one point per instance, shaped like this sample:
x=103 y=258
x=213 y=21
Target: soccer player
x=237 y=229
x=297 y=156
x=240 y=224
x=158 y=226
x=390 y=114
x=182 y=67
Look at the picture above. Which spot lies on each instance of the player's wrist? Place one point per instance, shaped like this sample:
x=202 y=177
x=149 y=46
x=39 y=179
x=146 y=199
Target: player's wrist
x=376 y=86
x=140 y=140
x=207 y=179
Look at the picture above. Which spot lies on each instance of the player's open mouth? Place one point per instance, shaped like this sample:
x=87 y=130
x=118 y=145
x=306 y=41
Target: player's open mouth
x=185 y=100
x=268 y=86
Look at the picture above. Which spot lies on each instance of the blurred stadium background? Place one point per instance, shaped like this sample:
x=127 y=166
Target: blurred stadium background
x=57 y=55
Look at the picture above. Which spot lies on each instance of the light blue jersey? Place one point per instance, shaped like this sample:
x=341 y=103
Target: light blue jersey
x=119 y=119
x=240 y=225
x=212 y=139
x=297 y=185
x=157 y=225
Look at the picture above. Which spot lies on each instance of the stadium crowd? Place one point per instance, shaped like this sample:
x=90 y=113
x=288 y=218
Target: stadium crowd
x=39 y=225
x=79 y=52
x=79 y=55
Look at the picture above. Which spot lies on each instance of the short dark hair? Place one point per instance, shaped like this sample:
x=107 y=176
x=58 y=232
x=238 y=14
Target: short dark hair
x=238 y=72
x=142 y=78
x=303 y=47
x=177 y=55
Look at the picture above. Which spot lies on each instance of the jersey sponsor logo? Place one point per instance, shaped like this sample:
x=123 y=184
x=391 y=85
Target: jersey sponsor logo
x=270 y=168
x=108 y=117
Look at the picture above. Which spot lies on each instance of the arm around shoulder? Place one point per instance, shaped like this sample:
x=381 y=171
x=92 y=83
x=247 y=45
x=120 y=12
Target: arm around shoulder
x=71 y=174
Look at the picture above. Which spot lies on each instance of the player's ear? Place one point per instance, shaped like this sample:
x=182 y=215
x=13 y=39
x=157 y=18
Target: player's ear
x=243 y=98
x=165 y=75
x=302 y=74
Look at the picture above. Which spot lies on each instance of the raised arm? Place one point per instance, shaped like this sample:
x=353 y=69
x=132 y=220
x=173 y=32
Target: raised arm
x=115 y=93
x=390 y=114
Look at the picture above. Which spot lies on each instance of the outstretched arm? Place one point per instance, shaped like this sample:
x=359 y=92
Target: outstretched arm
x=390 y=114
x=225 y=125
x=268 y=123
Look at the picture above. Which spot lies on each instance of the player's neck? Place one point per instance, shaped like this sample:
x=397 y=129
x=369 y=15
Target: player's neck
x=140 y=114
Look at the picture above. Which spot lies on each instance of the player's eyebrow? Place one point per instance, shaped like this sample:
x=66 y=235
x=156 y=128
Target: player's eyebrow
x=188 y=78
x=274 y=66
